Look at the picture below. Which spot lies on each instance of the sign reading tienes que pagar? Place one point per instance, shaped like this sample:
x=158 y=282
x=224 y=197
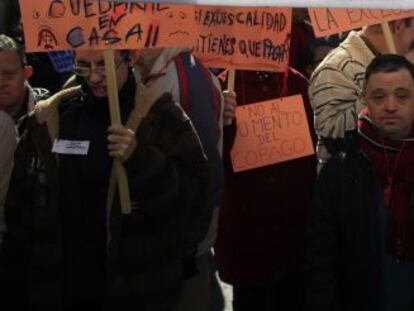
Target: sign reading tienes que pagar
x=232 y=37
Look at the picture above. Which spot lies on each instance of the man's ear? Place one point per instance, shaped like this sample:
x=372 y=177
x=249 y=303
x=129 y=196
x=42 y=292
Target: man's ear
x=133 y=57
x=27 y=72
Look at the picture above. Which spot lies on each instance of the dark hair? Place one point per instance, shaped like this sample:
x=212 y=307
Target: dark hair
x=307 y=54
x=388 y=63
x=9 y=44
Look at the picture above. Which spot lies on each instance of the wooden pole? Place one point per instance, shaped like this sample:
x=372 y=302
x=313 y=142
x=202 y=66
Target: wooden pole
x=116 y=120
x=230 y=87
x=386 y=30
x=231 y=79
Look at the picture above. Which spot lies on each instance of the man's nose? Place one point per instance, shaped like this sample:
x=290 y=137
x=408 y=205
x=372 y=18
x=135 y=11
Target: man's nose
x=94 y=77
x=391 y=103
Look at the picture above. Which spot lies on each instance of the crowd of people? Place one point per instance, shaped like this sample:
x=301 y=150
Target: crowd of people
x=328 y=232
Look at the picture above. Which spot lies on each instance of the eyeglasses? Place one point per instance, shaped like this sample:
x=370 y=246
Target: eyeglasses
x=86 y=70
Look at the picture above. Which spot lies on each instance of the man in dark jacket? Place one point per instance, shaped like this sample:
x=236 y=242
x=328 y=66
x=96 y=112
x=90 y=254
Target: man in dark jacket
x=76 y=249
x=360 y=235
x=17 y=99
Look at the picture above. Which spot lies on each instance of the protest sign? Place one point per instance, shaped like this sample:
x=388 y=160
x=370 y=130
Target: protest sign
x=271 y=132
x=87 y=24
x=328 y=21
x=365 y=4
x=243 y=38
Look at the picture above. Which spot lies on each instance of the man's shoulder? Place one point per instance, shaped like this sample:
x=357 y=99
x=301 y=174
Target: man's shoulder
x=164 y=105
x=351 y=54
x=346 y=162
x=49 y=108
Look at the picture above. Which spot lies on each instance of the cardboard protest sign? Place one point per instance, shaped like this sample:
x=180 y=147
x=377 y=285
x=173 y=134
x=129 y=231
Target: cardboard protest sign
x=243 y=38
x=365 y=4
x=328 y=21
x=88 y=24
x=271 y=132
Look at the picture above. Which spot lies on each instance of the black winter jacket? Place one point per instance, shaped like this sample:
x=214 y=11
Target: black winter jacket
x=341 y=255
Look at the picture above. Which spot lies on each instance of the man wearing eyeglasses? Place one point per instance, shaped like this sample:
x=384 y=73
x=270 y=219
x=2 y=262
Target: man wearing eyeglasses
x=80 y=250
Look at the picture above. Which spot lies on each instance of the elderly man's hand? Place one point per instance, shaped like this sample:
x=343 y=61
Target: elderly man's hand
x=121 y=142
x=230 y=105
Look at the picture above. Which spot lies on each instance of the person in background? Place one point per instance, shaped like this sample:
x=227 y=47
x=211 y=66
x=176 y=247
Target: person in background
x=301 y=35
x=259 y=248
x=177 y=71
x=8 y=142
x=9 y=17
x=17 y=99
x=312 y=55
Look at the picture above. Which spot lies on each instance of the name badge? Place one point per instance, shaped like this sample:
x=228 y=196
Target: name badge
x=75 y=147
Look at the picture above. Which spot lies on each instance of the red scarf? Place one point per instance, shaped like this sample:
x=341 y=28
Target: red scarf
x=393 y=166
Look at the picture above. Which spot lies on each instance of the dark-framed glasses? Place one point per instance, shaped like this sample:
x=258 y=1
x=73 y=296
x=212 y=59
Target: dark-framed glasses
x=85 y=69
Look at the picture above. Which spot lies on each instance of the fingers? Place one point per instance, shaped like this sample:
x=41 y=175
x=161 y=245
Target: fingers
x=121 y=142
x=118 y=129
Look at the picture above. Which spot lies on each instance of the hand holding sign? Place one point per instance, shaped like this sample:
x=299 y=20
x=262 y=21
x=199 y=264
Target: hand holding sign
x=121 y=174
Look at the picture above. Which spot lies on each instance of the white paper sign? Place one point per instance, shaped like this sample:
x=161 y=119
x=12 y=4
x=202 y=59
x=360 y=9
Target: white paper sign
x=74 y=147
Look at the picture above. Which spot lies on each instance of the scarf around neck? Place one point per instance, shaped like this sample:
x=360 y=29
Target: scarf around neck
x=393 y=166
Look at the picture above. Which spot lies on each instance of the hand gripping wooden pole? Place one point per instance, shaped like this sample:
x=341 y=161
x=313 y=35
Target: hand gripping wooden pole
x=386 y=30
x=112 y=86
x=230 y=87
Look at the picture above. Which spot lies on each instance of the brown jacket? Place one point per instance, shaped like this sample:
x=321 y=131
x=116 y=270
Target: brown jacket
x=144 y=266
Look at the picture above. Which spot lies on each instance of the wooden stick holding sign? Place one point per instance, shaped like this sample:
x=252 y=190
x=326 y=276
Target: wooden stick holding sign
x=230 y=87
x=231 y=79
x=386 y=30
x=116 y=120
